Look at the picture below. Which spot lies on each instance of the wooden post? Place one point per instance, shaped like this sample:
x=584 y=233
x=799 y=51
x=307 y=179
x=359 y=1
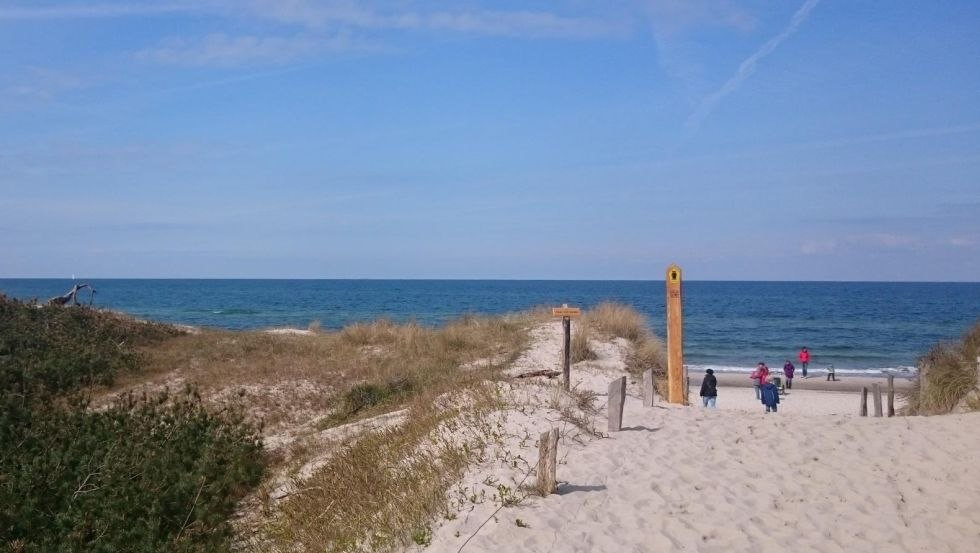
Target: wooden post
x=891 y=395
x=617 y=400
x=566 y=313
x=877 y=398
x=675 y=337
x=687 y=387
x=548 y=462
x=567 y=367
x=648 y=388
x=864 y=401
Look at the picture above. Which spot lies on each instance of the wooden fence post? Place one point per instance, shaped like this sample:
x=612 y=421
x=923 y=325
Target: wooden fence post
x=877 y=398
x=648 y=388
x=891 y=395
x=617 y=399
x=864 y=401
x=687 y=387
x=548 y=462
x=567 y=366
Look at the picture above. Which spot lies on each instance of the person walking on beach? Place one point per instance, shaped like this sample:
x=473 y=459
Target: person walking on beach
x=788 y=370
x=831 y=375
x=709 y=389
x=770 y=397
x=804 y=360
x=761 y=376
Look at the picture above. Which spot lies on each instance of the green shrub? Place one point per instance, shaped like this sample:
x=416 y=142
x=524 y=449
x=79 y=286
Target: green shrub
x=367 y=395
x=155 y=473
x=56 y=350
x=147 y=474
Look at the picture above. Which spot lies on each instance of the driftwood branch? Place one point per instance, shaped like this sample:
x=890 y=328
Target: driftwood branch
x=72 y=295
x=549 y=374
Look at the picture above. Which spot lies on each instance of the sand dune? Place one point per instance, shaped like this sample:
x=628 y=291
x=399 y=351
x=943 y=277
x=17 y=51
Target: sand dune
x=812 y=478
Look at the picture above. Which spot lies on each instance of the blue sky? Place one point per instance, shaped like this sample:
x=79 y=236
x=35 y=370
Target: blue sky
x=762 y=140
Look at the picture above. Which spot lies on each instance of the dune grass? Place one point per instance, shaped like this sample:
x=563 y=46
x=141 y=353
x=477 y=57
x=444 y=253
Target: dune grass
x=382 y=490
x=947 y=374
x=614 y=320
x=362 y=370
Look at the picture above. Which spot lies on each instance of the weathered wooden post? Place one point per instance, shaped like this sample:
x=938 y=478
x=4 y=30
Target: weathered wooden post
x=877 y=398
x=864 y=401
x=687 y=386
x=675 y=338
x=566 y=369
x=566 y=313
x=648 y=388
x=891 y=395
x=617 y=400
x=548 y=462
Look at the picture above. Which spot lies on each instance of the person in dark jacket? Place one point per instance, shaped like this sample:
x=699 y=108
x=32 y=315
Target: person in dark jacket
x=788 y=371
x=709 y=389
x=770 y=397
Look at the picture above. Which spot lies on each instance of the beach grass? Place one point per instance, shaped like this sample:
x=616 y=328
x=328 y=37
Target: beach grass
x=615 y=320
x=947 y=375
x=363 y=370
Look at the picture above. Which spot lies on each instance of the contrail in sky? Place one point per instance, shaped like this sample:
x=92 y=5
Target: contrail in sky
x=747 y=67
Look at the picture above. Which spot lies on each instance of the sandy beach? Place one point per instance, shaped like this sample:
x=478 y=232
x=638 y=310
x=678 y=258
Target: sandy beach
x=812 y=478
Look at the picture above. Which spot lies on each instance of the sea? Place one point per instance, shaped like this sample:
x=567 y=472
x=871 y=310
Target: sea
x=858 y=327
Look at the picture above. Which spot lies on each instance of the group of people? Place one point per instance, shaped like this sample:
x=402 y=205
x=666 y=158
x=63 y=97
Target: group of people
x=766 y=391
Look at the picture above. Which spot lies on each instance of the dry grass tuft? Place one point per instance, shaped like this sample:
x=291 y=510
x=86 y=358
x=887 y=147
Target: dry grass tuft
x=617 y=320
x=580 y=350
x=947 y=374
x=614 y=320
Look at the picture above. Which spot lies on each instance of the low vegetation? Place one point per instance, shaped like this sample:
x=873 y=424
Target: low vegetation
x=613 y=320
x=97 y=451
x=947 y=377
x=148 y=473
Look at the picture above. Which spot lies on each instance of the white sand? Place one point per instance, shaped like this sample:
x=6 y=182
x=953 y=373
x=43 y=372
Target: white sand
x=812 y=478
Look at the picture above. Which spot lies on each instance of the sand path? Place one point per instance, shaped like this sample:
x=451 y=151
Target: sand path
x=735 y=479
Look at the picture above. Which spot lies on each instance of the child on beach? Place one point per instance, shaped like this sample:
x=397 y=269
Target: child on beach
x=831 y=375
x=804 y=359
x=770 y=397
x=761 y=376
x=788 y=370
x=709 y=389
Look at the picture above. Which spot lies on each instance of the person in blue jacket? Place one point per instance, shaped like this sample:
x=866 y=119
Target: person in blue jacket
x=770 y=397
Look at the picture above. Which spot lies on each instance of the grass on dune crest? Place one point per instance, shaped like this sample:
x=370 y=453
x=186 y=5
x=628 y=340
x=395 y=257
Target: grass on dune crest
x=364 y=369
x=615 y=320
x=948 y=373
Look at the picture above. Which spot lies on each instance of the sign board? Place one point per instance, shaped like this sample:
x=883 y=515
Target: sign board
x=565 y=311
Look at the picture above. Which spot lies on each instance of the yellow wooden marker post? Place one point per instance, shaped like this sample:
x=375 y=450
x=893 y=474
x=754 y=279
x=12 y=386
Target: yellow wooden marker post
x=675 y=338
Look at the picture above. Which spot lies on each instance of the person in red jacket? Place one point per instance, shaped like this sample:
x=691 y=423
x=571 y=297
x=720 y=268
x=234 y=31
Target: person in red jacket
x=804 y=359
x=761 y=376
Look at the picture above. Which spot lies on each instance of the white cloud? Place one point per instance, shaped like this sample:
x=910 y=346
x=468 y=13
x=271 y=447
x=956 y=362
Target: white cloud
x=76 y=10
x=363 y=15
x=748 y=67
x=962 y=241
x=44 y=84
x=672 y=17
x=818 y=247
x=231 y=51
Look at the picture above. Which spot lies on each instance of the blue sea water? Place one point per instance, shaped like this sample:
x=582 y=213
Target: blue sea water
x=855 y=326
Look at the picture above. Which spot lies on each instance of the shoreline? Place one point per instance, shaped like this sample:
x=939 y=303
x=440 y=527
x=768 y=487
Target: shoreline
x=818 y=382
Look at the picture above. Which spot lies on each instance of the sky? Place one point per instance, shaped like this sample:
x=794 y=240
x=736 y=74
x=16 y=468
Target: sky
x=568 y=139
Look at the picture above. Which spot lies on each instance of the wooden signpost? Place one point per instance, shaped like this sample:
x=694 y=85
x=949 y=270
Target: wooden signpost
x=675 y=338
x=566 y=313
